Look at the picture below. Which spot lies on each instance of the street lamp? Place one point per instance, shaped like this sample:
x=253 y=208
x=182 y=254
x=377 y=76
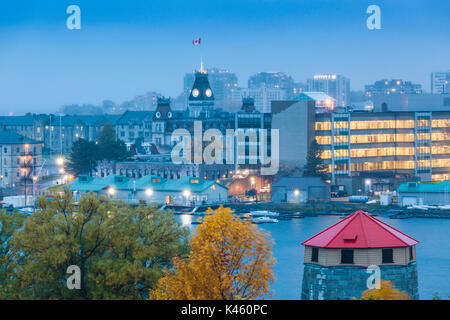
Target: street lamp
x=296 y=192
x=368 y=184
x=149 y=192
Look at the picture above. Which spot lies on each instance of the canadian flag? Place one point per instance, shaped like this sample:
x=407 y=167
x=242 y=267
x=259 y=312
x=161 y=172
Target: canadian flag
x=197 y=41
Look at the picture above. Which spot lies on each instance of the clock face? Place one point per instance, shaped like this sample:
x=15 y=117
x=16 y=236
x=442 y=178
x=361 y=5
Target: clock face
x=169 y=114
x=195 y=92
x=208 y=93
x=158 y=114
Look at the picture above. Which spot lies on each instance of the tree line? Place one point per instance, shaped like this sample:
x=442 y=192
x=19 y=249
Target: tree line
x=129 y=253
x=85 y=155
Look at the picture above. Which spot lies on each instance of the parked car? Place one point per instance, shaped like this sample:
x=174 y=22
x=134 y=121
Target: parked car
x=338 y=194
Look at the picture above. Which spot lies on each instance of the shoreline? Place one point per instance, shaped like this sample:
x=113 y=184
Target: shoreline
x=289 y=210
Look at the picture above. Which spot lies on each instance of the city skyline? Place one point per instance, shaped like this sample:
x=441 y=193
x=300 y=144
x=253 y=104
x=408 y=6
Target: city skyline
x=123 y=51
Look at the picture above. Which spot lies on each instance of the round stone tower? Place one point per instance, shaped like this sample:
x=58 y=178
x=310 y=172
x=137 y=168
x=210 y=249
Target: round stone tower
x=337 y=259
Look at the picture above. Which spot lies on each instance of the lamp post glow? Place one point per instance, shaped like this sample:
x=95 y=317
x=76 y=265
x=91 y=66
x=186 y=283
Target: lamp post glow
x=149 y=192
x=186 y=193
x=111 y=191
x=60 y=161
x=296 y=192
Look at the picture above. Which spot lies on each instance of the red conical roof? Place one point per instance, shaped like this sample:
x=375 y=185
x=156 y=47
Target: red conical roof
x=360 y=230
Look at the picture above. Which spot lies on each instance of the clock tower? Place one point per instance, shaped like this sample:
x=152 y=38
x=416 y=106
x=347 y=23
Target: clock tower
x=201 y=98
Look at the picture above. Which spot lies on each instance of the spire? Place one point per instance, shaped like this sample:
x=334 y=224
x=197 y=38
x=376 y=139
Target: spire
x=201 y=65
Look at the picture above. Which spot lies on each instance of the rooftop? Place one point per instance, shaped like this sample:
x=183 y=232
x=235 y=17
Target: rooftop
x=360 y=230
x=193 y=184
x=414 y=187
x=16 y=120
x=9 y=137
x=317 y=96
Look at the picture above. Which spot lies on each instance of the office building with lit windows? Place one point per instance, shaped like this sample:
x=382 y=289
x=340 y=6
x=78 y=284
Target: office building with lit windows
x=385 y=145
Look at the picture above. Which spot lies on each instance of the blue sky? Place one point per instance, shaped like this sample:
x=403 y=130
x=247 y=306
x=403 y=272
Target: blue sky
x=126 y=48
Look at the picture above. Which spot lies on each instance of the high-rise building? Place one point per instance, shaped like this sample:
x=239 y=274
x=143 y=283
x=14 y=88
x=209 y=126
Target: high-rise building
x=440 y=82
x=262 y=96
x=334 y=85
x=222 y=82
x=394 y=86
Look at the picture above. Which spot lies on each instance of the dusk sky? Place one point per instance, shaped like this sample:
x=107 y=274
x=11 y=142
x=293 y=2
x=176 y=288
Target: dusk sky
x=126 y=48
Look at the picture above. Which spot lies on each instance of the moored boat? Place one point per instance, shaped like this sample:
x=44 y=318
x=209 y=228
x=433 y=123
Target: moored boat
x=264 y=213
x=264 y=220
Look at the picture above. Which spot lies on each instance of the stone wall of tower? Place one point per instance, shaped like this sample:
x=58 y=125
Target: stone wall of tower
x=346 y=282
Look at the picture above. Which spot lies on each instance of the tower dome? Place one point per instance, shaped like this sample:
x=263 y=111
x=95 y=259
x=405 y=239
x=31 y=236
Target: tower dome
x=201 y=97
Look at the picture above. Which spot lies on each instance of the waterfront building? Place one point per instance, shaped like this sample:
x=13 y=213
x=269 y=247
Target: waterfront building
x=20 y=160
x=300 y=190
x=440 y=82
x=334 y=85
x=382 y=149
x=424 y=193
x=162 y=165
x=336 y=260
x=182 y=191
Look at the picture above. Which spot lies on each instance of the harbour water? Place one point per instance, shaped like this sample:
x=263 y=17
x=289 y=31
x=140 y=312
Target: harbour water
x=433 y=251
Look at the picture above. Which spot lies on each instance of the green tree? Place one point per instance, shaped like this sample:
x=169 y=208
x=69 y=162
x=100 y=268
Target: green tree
x=9 y=223
x=314 y=164
x=83 y=157
x=120 y=251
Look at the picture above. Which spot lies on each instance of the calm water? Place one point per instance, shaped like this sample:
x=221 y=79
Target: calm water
x=433 y=251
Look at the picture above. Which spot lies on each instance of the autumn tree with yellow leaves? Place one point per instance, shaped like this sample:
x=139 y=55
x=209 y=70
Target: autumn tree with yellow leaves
x=229 y=259
x=385 y=292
